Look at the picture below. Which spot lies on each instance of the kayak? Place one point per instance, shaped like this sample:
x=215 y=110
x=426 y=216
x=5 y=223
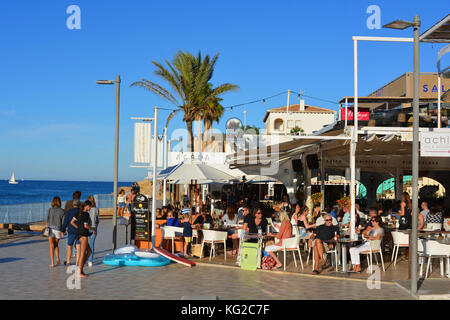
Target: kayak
x=134 y=260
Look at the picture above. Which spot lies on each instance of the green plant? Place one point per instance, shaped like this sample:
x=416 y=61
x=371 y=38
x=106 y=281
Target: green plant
x=297 y=130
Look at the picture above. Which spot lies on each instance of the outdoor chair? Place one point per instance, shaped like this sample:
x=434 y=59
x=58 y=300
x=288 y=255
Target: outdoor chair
x=334 y=251
x=434 y=249
x=171 y=234
x=433 y=226
x=212 y=237
x=375 y=247
x=401 y=240
x=292 y=244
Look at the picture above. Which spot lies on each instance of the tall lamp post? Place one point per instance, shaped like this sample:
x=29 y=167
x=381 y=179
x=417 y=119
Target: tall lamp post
x=400 y=24
x=116 y=154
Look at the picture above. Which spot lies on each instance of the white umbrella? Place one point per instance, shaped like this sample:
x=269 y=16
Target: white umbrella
x=185 y=172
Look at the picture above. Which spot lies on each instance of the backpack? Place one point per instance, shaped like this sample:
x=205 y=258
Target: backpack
x=268 y=263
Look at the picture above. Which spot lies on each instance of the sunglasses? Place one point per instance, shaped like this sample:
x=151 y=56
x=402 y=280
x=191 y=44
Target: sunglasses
x=328 y=220
x=259 y=212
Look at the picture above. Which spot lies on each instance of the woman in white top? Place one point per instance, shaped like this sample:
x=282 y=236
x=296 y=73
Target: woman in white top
x=295 y=215
x=374 y=233
x=121 y=203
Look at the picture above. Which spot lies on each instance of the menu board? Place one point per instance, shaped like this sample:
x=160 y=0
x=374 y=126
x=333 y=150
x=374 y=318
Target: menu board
x=141 y=217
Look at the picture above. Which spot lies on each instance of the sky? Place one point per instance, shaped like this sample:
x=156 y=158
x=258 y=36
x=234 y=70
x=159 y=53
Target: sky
x=57 y=124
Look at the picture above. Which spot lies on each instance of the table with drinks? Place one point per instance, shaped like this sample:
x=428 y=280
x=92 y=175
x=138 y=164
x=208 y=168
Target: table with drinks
x=342 y=242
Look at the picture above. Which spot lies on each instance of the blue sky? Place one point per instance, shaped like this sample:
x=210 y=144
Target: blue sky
x=57 y=124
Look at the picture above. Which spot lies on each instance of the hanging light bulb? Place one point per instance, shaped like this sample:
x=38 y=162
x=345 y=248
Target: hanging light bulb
x=264 y=101
x=231 y=109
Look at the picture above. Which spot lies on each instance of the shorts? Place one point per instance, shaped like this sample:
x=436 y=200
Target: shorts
x=55 y=233
x=324 y=244
x=72 y=238
x=188 y=239
x=121 y=204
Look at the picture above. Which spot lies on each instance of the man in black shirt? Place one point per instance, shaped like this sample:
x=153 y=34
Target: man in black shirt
x=323 y=233
x=204 y=217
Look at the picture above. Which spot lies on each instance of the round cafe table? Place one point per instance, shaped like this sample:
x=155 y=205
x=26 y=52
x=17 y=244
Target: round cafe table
x=342 y=244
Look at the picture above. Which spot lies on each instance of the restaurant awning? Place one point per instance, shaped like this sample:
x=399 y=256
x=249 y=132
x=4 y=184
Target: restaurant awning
x=438 y=33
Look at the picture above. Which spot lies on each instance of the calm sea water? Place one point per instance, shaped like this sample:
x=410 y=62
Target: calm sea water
x=44 y=191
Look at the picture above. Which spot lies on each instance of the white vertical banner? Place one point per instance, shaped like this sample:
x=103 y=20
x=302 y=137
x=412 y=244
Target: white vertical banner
x=142 y=142
x=159 y=155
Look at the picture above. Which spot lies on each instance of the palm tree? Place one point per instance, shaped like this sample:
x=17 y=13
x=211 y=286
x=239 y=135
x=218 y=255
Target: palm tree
x=211 y=113
x=189 y=78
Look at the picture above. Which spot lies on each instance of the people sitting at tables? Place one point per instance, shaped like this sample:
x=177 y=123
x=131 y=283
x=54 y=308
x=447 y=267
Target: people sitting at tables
x=285 y=233
x=373 y=212
x=381 y=212
x=158 y=213
x=434 y=216
x=203 y=218
x=360 y=213
x=185 y=209
x=425 y=209
x=347 y=217
x=321 y=220
x=246 y=216
x=286 y=204
x=230 y=216
x=323 y=233
x=374 y=233
x=303 y=219
x=172 y=220
x=420 y=221
x=295 y=214
x=335 y=211
x=255 y=223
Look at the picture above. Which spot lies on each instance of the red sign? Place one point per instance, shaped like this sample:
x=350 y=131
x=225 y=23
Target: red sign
x=363 y=114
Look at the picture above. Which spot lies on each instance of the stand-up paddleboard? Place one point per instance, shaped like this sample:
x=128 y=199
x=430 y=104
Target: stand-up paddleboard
x=175 y=258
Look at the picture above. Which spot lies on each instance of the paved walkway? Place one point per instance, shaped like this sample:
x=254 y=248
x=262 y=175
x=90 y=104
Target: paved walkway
x=25 y=274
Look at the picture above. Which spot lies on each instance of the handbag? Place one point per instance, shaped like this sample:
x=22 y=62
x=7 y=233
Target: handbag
x=46 y=232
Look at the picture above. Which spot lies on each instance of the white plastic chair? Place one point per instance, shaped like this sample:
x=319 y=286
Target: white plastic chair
x=335 y=251
x=194 y=235
x=171 y=233
x=401 y=240
x=292 y=244
x=420 y=253
x=434 y=249
x=213 y=237
x=375 y=247
x=447 y=224
x=433 y=226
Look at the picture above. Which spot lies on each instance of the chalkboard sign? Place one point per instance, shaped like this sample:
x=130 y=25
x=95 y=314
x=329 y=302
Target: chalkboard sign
x=140 y=218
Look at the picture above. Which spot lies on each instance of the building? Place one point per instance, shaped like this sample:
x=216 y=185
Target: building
x=306 y=117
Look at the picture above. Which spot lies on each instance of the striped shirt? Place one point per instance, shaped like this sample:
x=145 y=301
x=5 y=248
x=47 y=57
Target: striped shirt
x=185 y=210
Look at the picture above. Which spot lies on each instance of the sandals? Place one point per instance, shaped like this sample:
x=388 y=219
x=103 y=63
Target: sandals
x=315 y=272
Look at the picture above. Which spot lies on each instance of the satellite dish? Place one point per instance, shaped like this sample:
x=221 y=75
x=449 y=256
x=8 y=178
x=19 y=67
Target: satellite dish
x=234 y=124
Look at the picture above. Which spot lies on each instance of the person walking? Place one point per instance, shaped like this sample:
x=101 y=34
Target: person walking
x=94 y=216
x=82 y=224
x=72 y=233
x=55 y=216
x=69 y=204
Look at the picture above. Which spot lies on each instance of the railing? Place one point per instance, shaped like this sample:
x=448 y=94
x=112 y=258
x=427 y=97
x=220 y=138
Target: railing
x=34 y=212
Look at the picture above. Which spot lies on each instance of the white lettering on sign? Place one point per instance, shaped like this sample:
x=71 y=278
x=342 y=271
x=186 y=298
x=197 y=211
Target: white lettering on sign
x=435 y=144
x=374 y=21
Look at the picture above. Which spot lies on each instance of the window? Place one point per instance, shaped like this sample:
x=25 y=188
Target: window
x=278 y=125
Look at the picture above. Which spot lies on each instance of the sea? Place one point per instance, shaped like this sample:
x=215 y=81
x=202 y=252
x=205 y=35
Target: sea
x=32 y=191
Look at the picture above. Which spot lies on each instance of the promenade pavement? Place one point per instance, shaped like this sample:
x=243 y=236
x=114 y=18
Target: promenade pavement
x=25 y=274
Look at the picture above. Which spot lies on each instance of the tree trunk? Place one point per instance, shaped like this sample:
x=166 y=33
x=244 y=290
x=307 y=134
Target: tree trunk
x=191 y=136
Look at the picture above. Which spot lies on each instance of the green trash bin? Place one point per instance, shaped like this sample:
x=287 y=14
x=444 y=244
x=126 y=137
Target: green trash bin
x=250 y=255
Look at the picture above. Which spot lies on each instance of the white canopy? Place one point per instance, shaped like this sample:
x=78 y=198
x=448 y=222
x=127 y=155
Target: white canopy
x=185 y=172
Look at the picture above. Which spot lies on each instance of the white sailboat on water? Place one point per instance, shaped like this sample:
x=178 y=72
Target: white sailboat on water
x=12 y=180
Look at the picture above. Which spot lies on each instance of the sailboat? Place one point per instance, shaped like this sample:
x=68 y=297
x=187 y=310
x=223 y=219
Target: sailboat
x=12 y=180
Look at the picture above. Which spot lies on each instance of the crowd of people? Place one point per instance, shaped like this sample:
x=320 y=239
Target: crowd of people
x=318 y=226
x=79 y=222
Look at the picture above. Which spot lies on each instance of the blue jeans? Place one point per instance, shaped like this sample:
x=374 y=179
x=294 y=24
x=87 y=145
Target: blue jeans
x=91 y=244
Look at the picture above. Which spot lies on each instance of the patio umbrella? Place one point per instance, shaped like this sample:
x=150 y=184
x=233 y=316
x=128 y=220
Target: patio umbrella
x=185 y=172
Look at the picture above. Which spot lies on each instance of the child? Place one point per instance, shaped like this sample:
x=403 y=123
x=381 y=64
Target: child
x=187 y=234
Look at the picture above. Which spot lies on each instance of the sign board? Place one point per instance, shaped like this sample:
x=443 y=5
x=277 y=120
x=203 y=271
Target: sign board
x=435 y=144
x=363 y=114
x=140 y=214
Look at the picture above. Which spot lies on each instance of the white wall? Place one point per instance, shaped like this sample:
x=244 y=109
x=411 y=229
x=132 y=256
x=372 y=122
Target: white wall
x=309 y=121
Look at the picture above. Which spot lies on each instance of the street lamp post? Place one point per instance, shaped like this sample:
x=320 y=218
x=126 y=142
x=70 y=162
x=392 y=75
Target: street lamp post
x=116 y=154
x=400 y=24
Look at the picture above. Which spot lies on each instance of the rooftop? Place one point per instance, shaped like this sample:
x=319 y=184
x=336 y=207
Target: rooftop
x=296 y=108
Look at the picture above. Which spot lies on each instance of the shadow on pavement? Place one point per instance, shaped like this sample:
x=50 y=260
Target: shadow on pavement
x=14 y=243
x=110 y=269
x=10 y=259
